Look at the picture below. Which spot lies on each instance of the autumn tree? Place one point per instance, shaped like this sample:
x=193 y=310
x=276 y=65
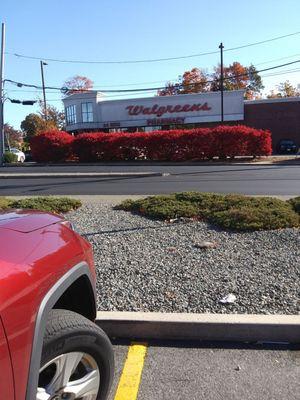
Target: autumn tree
x=285 y=89
x=44 y=119
x=170 y=89
x=193 y=81
x=236 y=76
x=53 y=114
x=13 y=137
x=254 y=84
x=78 y=84
x=33 y=124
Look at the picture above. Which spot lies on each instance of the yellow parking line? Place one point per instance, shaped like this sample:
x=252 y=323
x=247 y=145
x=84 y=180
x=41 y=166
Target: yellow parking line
x=131 y=376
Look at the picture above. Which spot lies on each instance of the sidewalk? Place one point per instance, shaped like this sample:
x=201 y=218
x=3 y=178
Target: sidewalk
x=283 y=159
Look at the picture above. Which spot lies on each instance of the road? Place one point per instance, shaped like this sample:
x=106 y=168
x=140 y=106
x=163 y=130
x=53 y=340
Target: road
x=210 y=371
x=247 y=179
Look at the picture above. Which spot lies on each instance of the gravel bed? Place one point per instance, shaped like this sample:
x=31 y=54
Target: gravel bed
x=145 y=265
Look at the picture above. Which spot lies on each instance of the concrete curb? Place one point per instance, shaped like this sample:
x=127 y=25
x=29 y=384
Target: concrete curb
x=117 y=198
x=33 y=175
x=271 y=160
x=213 y=327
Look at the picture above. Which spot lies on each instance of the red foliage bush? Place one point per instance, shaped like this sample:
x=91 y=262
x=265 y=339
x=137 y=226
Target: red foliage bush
x=51 y=145
x=174 y=145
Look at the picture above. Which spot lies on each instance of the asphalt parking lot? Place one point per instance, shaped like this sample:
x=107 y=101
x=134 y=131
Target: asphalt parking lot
x=210 y=371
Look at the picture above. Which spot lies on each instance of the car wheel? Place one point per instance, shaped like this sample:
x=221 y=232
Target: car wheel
x=77 y=359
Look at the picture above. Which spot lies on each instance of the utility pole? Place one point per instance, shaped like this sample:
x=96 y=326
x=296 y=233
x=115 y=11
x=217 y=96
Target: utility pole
x=43 y=84
x=221 y=47
x=2 y=94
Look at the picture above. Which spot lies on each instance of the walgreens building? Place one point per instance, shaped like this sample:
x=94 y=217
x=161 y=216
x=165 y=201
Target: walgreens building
x=86 y=112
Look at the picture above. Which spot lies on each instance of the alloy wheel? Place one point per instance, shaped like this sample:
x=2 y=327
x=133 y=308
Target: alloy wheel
x=69 y=376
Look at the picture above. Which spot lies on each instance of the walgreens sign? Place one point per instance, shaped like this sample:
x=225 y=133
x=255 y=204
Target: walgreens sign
x=159 y=111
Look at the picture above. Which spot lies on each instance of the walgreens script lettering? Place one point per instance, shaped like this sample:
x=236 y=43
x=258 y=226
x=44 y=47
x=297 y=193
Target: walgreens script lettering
x=161 y=110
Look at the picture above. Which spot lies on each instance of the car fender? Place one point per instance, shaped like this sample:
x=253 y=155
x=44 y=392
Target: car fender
x=6 y=376
x=48 y=302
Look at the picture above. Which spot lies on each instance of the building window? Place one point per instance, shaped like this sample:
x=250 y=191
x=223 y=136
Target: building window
x=87 y=112
x=71 y=114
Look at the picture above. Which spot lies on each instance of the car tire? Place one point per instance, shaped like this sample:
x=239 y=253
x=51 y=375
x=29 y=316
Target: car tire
x=75 y=346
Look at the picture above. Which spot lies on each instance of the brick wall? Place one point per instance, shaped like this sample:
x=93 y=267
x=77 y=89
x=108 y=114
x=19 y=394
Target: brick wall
x=282 y=118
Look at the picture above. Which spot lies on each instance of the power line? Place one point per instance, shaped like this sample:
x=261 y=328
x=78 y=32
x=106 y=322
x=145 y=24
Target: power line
x=20 y=84
x=153 y=88
x=152 y=82
x=281 y=73
x=154 y=59
x=278 y=59
x=192 y=84
x=262 y=41
x=174 y=79
x=109 y=96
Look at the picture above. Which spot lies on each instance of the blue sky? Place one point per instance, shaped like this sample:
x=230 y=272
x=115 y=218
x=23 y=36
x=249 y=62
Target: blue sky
x=126 y=30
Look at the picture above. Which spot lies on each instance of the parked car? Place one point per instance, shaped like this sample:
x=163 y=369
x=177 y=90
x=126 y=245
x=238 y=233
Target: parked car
x=28 y=155
x=50 y=347
x=287 y=146
x=18 y=153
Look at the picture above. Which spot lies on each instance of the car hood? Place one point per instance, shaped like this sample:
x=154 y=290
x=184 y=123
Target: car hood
x=26 y=221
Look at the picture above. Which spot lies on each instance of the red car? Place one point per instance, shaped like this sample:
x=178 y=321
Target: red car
x=50 y=348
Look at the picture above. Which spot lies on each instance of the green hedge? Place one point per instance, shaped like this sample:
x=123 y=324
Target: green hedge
x=9 y=157
x=44 y=203
x=232 y=212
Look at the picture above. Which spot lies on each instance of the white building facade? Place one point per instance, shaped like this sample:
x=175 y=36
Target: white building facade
x=91 y=112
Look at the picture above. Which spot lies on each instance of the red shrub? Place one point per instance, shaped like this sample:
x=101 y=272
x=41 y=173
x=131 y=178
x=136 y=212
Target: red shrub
x=174 y=145
x=51 y=145
x=86 y=146
x=260 y=142
x=230 y=141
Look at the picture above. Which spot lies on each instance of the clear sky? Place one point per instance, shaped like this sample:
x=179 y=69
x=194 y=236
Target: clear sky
x=132 y=30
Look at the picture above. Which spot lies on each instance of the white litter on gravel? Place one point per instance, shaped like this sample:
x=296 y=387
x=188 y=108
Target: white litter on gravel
x=228 y=299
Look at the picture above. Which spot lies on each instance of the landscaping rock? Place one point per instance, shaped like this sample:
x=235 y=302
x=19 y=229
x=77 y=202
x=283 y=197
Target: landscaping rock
x=206 y=245
x=135 y=268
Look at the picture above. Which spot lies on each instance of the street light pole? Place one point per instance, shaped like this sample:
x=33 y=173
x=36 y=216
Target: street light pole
x=221 y=47
x=43 y=84
x=2 y=94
